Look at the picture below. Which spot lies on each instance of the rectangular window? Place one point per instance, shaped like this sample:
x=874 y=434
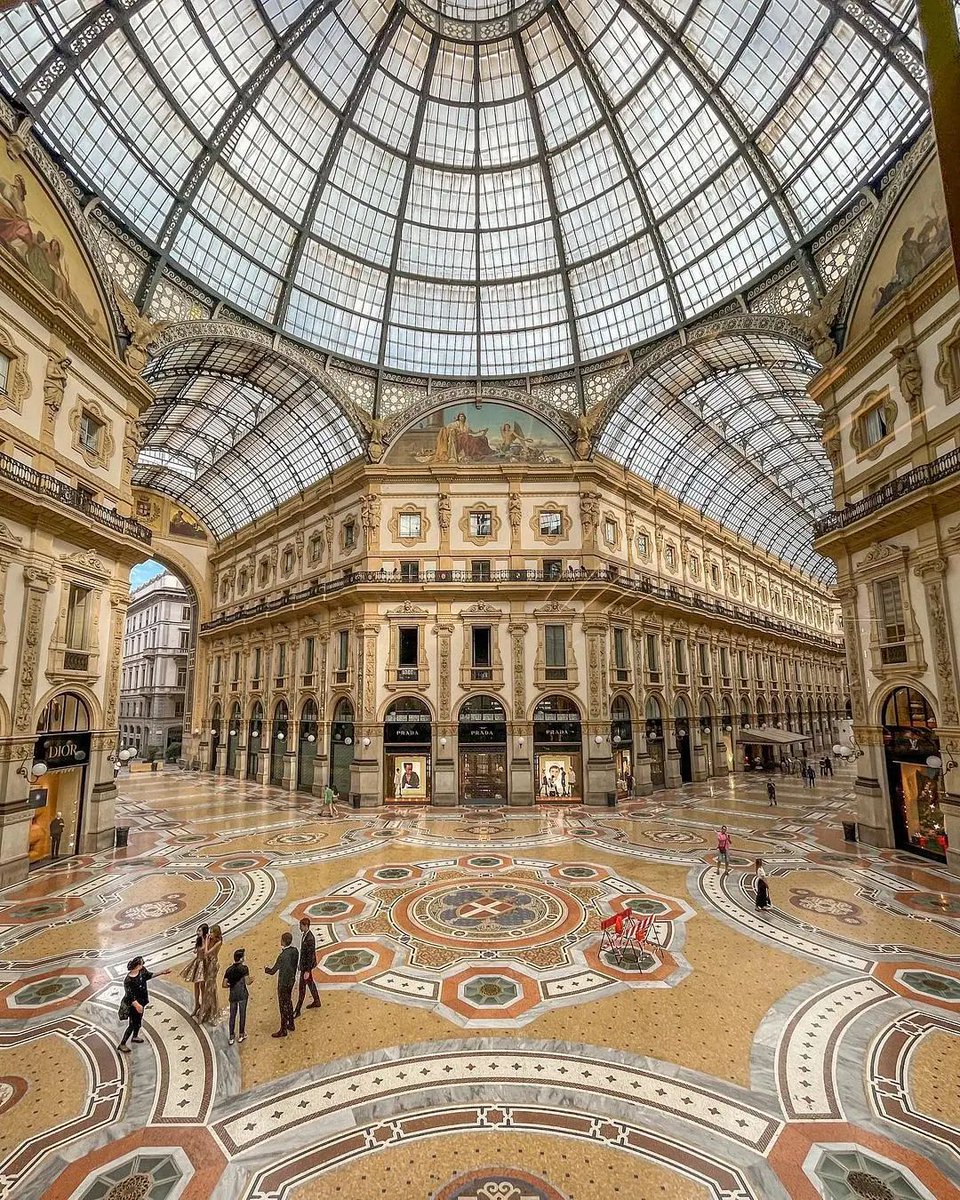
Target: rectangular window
x=185 y=613
x=316 y=548
x=891 y=621
x=78 y=608
x=480 y=637
x=742 y=663
x=343 y=656
x=610 y=532
x=551 y=524
x=349 y=535
x=181 y=677
x=680 y=656
x=5 y=364
x=409 y=525
x=184 y=639
x=481 y=524
x=408 y=653
x=178 y=708
x=480 y=570
x=257 y=663
x=235 y=665
x=652 y=647
x=621 y=662
x=725 y=662
x=217 y=670
x=875 y=427
x=555 y=651
x=643 y=545
x=410 y=572
x=90 y=432
x=552 y=568
x=309 y=653
x=703 y=655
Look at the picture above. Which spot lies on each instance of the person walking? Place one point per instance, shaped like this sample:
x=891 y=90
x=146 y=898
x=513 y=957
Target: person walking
x=193 y=971
x=210 y=1000
x=723 y=848
x=235 y=978
x=771 y=793
x=762 y=887
x=135 y=1000
x=285 y=969
x=827 y=765
x=328 y=807
x=812 y=776
x=57 y=826
x=306 y=965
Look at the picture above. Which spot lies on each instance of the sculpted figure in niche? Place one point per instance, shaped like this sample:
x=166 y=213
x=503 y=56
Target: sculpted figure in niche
x=515 y=510
x=911 y=381
x=443 y=512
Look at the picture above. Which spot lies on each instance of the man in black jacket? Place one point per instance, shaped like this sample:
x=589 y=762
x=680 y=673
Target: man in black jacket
x=306 y=965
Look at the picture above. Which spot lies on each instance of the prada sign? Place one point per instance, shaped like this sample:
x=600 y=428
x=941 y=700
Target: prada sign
x=62 y=750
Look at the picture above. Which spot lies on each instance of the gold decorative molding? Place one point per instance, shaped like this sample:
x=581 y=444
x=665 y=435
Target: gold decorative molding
x=551 y=539
x=947 y=373
x=412 y=510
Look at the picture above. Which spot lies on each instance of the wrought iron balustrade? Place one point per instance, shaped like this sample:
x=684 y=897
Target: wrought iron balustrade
x=919 y=477
x=63 y=493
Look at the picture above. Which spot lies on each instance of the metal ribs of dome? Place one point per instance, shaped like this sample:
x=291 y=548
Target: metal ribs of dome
x=601 y=173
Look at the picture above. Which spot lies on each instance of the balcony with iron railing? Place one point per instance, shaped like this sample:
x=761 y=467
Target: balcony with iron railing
x=55 y=489
x=621 y=582
x=912 y=481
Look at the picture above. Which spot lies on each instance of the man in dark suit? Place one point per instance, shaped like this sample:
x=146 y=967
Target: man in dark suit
x=285 y=969
x=409 y=779
x=57 y=826
x=306 y=966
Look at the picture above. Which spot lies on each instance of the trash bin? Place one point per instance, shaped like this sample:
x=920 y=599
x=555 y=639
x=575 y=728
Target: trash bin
x=849 y=831
x=121 y=833
x=355 y=799
x=611 y=799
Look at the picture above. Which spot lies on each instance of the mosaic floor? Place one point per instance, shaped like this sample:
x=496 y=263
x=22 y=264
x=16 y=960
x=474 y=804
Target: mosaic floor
x=475 y=1040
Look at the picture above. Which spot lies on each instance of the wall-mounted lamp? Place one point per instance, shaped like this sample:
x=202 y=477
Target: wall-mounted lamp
x=37 y=770
x=681 y=733
x=280 y=735
x=443 y=741
x=214 y=733
x=936 y=763
x=847 y=752
x=617 y=739
x=519 y=743
x=366 y=742
x=311 y=737
x=233 y=733
x=122 y=756
x=599 y=739
x=728 y=729
x=348 y=741
x=196 y=733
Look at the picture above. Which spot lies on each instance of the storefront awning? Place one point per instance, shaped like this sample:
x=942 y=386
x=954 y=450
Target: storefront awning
x=771 y=737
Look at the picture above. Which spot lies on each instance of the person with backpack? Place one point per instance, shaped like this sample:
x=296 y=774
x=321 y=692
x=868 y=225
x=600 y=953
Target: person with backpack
x=135 y=1000
x=235 y=978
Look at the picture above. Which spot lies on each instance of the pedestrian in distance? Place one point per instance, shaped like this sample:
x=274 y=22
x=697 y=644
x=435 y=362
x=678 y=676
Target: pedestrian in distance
x=285 y=969
x=762 y=887
x=135 y=1000
x=235 y=978
x=771 y=793
x=328 y=807
x=306 y=965
x=723 y=848
x=57 y=826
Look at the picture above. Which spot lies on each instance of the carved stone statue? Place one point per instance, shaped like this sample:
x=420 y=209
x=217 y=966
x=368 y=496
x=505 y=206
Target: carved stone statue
x=515 y=510
x=376 y=430
x=443 y=512
x=590 y=512
x=370 y=512
x=818 y=325
x=143 y=332
x=582 y=426
x=909 y=374
x=54 y=381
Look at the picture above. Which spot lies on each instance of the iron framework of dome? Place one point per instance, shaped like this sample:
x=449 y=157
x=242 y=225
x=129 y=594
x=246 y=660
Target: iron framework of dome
x=489 y=190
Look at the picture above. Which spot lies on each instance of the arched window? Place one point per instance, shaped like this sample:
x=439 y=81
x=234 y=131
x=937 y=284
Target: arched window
x=652 y=711
x=906 y=708
x=65 y=713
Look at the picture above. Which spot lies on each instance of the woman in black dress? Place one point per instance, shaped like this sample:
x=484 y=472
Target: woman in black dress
x=763 y=888
x=135 y=999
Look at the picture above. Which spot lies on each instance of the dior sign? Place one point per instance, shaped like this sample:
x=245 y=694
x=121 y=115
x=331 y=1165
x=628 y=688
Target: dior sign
x=61 y=751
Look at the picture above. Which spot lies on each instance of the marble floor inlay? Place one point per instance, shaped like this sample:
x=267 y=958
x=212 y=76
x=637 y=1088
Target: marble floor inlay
x=477 y=1039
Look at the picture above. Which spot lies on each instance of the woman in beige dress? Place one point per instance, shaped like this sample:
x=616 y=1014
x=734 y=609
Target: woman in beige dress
x=210 y=1001
x=193 y=971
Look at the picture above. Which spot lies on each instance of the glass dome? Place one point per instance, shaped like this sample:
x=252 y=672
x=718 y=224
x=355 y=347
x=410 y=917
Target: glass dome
x=470 y=189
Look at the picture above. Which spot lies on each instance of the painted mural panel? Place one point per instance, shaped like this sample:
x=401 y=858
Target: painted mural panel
x=917 y=235
x=35 y=233
x=482 y=434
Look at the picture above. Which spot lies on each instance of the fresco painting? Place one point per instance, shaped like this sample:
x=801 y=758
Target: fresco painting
x=479 y=433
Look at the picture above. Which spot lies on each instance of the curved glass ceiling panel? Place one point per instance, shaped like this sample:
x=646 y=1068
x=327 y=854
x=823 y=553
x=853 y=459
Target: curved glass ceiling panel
x=460 y=192
x=726 y=426
x=237 y=430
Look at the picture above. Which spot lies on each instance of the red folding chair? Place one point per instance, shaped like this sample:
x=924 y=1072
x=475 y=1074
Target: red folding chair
x=640 y=934
x=613 y=934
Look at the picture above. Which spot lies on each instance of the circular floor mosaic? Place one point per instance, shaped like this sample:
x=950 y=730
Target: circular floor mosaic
x=488 y=941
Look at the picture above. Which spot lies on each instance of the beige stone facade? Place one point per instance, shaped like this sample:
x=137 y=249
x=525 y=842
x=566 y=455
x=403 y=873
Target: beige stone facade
x=892 y=429
x=69 y=408
x=510 y=584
